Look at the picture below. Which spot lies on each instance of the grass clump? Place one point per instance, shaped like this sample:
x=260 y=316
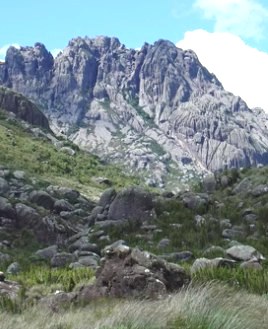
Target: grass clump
x=66 y=279
x=254 y=281
x=208 y=306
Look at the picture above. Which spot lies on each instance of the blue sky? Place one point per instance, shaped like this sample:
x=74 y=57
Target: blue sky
x=229 y=36
x=55 y=22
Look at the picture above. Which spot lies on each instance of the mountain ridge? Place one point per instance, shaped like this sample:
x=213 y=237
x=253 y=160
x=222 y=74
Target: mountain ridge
x=155 y=109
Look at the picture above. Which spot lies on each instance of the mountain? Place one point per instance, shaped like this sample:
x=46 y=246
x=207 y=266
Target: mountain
x=156 y=110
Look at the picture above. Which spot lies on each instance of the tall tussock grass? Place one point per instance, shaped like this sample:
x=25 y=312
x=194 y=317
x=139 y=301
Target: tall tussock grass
x=209 y=306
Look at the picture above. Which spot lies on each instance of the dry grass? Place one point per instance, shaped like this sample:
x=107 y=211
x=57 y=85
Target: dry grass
x=206 y=307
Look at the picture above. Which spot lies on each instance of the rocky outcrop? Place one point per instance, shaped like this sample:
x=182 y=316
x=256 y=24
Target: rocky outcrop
x=153 y=109
x=127 y=272
x=22 y=108
x=130 y=204
x=51 y=215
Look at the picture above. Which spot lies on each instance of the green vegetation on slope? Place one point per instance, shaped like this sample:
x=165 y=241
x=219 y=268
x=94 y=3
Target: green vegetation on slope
x=20 y=150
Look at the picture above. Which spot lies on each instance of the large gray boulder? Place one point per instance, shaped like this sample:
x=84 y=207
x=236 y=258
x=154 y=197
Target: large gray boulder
x=107 y=197
x=26 y=216
x=234 y=232
x=62 y=259
x=61 y=192
x=14 y=268
x=43 y=199
x=205 y=263
x=62 y=205
x=132 y=204
x=6 y=209
x=195 y=200
x=47 y=253
x=244 y=253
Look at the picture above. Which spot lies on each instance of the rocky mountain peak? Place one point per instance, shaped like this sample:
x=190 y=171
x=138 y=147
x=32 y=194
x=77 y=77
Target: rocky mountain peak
x=155 y=109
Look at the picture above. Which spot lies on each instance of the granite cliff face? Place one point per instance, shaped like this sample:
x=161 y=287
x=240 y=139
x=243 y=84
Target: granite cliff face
x=156 y=108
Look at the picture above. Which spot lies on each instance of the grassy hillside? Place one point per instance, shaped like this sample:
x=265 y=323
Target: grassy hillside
x=20 y=150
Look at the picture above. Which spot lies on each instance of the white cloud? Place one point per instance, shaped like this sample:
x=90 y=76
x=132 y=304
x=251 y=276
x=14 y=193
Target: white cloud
x=243 y=70
x=246 y=18
x=4 y=49
x=55 y=52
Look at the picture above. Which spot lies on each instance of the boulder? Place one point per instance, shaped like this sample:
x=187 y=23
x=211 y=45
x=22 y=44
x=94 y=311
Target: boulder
x=47 y=253
x=4 y=257
x=259 y=190
x=13 y=268
x=234 y=232
x=132 y=204
x=250 y=218
x=203 y=263
x=62 y=259
x=43 y=199
x=244 y=253
x=52 y=229
x=4 y=187
x=78 y=244
x=26 y=216
x=209 y=183
x=90 y=247
x=225 y=223
x=243 y=187
x=252 y=264
x=102 y=180
x=126 y=272
x=62 y=205
x=67 y=150
x=195 y=201
x=66 y=193
x=9 y=289
x=199 y=220
x=105 y=224
x=164 y=243
x=90 y=260
x=107 y=197
x=214 y=250
x=6 y=209
x=19 y=174
x=117 y=247
x=178 y=256
x=58 y=301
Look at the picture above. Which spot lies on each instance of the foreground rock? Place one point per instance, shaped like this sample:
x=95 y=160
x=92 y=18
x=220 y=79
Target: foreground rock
x=9 y=289
x=205 y=263
x=244 y=253
x=127 y=272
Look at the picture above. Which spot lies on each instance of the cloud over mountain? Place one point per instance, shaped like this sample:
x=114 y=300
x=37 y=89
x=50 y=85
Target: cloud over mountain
x=243 y=70
x=246 y=18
